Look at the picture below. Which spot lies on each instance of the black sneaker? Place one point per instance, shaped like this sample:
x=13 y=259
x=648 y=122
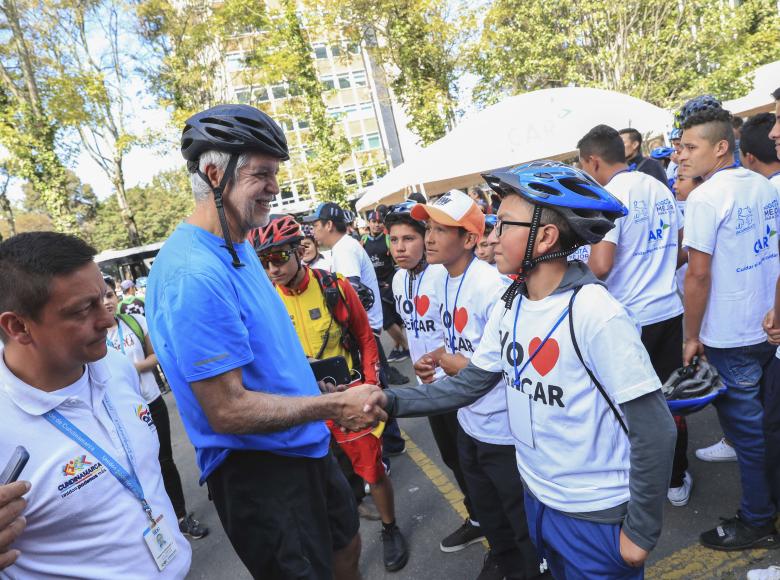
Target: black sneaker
x=398 y=354
x=191 y=527
x=463 y=537
x=394 y=549
x=490 y=569
x=734 y=534
x=394 y=376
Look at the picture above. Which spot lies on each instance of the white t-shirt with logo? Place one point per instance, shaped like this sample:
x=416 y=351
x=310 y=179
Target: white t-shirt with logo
x=680 y=276
x=419 y=309
x=349 y=259
x=485 y=419
x=643 y=273
x=581 y=254
x=81 y=521
x=124 y=340
x=578 y=459
x=734 y=216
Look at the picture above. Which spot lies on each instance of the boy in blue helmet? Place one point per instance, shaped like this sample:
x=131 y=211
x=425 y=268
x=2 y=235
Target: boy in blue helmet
x=593 y=435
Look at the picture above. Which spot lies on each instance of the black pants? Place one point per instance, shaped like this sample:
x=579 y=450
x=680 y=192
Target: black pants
x=284 y=516
x=445 y=432
x=170 y=474
x=663 y=341
x=770 y=398
x=496 y=490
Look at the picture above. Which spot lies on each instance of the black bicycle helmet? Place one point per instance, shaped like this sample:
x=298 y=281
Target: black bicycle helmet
x=232 y=129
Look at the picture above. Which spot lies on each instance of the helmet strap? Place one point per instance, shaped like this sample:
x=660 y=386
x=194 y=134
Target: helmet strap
x=218 y=191
x=529 y=262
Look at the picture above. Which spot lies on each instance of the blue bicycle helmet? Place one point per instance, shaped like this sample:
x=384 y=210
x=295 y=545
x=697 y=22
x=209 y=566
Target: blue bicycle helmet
x=661 y=153
x=690 y=389
x=491 y=220
x=402 y=214
x=589 y=209
x=697 y=105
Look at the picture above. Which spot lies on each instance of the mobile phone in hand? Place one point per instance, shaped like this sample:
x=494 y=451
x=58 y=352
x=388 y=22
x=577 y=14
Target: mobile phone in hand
x=15 y=465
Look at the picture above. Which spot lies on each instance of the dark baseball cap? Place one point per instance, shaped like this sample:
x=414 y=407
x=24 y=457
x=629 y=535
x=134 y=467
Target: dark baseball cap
x=327 y=211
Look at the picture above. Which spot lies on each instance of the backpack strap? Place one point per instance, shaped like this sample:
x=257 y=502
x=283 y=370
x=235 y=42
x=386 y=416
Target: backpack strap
x=328 y=283
x=135 y=326
x=599 y=386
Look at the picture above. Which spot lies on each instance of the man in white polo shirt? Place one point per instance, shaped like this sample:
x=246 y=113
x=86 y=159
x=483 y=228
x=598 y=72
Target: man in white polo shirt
x=638 y=259
x=97 y=506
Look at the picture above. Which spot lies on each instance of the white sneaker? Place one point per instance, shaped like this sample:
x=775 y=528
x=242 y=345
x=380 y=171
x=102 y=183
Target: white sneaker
x=771 y=573
x=721 y=451
x=679 y=496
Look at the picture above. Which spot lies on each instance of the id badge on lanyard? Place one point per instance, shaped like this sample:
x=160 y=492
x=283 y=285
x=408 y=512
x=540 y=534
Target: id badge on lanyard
x=157 y=535
x=518 y=403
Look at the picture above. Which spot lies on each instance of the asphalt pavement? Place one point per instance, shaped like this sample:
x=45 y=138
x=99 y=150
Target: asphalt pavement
x=428 y=507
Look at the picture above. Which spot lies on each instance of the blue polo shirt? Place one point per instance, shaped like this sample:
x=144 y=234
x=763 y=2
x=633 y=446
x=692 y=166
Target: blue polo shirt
x=207 y=318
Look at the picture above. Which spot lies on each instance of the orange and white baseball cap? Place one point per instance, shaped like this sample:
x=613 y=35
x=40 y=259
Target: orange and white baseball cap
x=455 y=209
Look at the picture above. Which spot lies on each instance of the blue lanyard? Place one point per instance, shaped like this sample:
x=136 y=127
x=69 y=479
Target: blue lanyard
x=414 y=302
x=121 y=337
x=732 y=166
x=627 y=170
x=538 y=348
x=451 y=329
x=129 y=480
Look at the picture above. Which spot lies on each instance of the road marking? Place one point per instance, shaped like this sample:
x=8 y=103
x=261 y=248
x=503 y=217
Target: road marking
x=699 y=563
x=443 y=483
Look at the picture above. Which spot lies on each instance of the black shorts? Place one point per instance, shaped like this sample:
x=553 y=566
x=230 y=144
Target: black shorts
x=284 y=516
x=389 y=313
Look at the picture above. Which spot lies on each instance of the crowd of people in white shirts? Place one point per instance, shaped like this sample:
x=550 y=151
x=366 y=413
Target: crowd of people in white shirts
x=542 y=375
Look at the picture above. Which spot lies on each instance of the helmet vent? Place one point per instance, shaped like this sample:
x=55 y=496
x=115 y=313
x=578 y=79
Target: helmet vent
x=221 y=135
x=544 y=189
x=580 y=187
x=216 y=121
x=250 y=122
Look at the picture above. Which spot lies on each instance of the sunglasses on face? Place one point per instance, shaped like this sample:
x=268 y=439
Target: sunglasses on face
x=279 y=258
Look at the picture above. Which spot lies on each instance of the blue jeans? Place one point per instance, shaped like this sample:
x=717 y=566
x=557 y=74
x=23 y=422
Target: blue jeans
x=577 y=549
x=741 y=417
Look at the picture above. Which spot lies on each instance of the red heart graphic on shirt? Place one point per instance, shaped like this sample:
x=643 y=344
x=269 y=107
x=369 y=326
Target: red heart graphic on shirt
x=461 y=318
x=545 y=359
x=421 y=303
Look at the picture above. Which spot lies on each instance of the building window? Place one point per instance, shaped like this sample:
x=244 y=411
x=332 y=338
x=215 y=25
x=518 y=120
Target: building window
x=344 y=81
x=243 y=96
x=234 y=62
x=335 y=51
x=373 y=140
x=303 y=123
x=261 y=94
x=285 y=122
x=328 y=83
x=353 y=48
x=367 y=106
x=359 y=78
x=334 y=112
x=320 y=52
x=279 y=91
x=350 y=177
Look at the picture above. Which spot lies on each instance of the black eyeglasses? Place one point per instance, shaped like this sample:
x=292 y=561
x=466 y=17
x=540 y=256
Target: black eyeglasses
x=501 y=223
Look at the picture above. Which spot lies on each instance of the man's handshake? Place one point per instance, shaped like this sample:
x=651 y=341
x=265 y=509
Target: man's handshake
x=360 y=407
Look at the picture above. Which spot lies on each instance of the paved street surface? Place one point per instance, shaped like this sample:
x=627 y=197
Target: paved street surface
x=427 y=508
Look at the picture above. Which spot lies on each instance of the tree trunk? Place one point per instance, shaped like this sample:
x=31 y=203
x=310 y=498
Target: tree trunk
x=121 y=195
x=8 y=212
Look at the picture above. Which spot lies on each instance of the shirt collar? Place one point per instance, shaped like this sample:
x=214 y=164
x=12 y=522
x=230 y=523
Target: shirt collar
x=301 y=288
x=37 y=402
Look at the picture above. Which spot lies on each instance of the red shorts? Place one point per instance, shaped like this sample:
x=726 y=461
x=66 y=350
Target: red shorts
x=364 y=452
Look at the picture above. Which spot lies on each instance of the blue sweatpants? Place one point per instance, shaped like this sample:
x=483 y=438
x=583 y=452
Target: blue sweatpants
x=577 y=549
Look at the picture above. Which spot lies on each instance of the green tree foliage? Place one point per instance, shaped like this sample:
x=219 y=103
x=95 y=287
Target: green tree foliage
x=414 y=42
x=29 y=89
x=80 y=198
x=657 y=51
x=161 y=205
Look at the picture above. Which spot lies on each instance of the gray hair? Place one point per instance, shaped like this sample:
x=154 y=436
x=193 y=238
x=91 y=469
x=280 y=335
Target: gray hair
x=219 y=159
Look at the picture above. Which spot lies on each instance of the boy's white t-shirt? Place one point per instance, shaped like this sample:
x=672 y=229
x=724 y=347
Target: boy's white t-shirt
x=482 y=288
x=348 y=258
x=580 y=458
x=643 y=273
x=680 y=276
x=419 y=309
x=582 y=254
x=734 y=216
x=123 y=339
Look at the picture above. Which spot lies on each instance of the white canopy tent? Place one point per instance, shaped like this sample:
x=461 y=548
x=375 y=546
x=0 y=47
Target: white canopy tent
x=536 y=125
x=765 y=80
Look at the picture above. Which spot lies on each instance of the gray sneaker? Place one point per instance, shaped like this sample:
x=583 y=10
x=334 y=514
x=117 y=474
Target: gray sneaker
x=191 y=527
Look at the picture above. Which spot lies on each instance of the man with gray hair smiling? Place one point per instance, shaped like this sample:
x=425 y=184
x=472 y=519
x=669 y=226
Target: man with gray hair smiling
x=247 y=396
